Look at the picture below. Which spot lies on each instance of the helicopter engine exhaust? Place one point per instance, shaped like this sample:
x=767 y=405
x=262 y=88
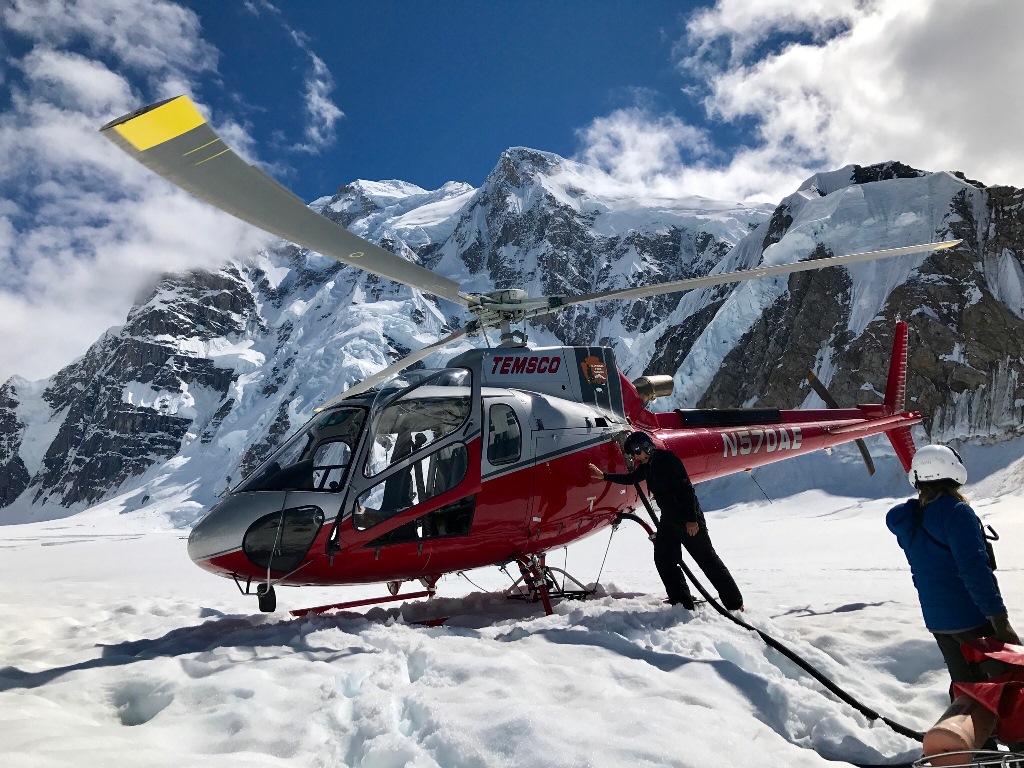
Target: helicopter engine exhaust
x=652 y=387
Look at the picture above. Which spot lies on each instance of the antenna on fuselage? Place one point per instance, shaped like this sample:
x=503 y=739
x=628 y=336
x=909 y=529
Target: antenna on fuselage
x=750 y=474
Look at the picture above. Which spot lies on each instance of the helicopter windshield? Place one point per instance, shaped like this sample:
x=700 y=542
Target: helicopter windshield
x=316 y=458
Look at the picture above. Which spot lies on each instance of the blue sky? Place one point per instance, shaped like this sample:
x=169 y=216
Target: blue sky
x=435 y=91
x=728 y=99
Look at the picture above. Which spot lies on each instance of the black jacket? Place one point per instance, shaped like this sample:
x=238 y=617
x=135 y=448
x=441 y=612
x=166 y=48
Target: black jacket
x=670 y=486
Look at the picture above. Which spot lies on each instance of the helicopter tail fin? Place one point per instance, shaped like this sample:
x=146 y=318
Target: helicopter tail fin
x=895 y=395
x=896 y=384
x=903 y=443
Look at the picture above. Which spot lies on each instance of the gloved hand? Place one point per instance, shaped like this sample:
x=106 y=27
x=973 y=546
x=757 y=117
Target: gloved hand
x=1003 y=631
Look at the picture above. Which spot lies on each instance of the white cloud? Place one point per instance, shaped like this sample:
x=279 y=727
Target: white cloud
x=82 y=226
x=321 y=113
x=634 y=145
x=76 y=81
x=825 y=83
x=151 y=37
x=740 y=25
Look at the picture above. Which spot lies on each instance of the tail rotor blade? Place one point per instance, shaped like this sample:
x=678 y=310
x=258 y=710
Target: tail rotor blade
x=828 y=400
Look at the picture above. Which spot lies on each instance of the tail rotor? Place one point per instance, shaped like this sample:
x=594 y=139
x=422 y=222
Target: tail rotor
x=826 y=397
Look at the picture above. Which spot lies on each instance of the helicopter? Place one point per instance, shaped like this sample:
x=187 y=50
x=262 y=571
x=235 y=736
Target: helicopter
x=413 y=474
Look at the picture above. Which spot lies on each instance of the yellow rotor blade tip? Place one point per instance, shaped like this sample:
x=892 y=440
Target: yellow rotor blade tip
x=164 y=123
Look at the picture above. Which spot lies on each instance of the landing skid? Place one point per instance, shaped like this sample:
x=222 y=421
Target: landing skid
x=357 y=603
x=539 y=581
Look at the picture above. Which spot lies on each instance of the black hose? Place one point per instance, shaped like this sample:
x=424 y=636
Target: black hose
x=636 y=519
x=791 y=655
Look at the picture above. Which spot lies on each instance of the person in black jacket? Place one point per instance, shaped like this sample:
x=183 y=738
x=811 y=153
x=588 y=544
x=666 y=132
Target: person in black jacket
x=682 y=521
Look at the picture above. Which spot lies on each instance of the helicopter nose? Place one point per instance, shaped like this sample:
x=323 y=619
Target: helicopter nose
x=221 y=532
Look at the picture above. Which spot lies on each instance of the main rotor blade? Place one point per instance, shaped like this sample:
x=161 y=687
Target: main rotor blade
x=749 y=274
x=172 y=139
x=371 y=381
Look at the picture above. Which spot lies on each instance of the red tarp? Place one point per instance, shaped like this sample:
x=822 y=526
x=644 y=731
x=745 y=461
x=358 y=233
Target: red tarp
x=1002 y=695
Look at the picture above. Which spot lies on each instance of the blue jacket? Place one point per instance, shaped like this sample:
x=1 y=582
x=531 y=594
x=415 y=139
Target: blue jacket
x=956 y=587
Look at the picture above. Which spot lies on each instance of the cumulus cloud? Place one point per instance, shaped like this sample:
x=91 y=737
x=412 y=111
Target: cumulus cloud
x=82 y=226
x=825 y=83
x=149 y=38
x=635 y=145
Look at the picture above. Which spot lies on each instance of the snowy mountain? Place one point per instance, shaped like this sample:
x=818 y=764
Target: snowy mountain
x=211 y=370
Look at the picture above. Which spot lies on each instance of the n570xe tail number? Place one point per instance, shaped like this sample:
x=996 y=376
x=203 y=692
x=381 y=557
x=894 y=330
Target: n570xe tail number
x=743 y=442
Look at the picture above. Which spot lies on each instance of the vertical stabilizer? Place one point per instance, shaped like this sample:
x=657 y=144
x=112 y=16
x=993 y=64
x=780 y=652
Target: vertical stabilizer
x=904 y=445
x=895 y=395
x=896 y=385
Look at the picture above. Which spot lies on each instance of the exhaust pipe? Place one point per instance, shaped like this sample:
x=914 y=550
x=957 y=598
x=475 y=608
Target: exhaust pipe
x=653 y=387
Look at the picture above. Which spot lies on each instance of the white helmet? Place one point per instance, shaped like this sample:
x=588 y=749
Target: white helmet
x=937 y=462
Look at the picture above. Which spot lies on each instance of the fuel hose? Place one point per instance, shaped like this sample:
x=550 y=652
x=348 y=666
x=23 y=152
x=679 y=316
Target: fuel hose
x=778 y=646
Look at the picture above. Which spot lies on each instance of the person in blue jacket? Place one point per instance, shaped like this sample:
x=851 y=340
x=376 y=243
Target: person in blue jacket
x=944 y=543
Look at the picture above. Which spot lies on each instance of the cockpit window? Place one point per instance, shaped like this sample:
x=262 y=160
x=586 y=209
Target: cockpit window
x=329 y=464
x=419 y=416
x=430 y=476
x=504 y=438
x=315 y=458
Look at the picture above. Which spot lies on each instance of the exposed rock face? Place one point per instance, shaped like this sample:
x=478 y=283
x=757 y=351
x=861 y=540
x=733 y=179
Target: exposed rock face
x=135 y=397
x=212 y=370
x=964 y=310
x=14 y=476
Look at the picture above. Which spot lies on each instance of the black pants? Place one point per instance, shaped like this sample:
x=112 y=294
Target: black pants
x=668 y=557
x=960 y=669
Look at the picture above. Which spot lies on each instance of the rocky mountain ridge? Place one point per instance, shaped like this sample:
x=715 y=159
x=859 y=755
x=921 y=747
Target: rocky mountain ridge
x=212 y=369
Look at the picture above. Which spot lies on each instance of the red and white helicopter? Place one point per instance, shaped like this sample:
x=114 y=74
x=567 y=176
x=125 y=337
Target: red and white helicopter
x=412 y=475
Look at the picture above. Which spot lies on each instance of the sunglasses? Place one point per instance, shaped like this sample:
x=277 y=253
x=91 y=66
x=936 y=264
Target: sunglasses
x=638 y=451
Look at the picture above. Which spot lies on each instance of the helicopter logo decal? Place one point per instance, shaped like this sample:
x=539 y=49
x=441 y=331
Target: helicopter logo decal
x=516 y=365
x=595 y=371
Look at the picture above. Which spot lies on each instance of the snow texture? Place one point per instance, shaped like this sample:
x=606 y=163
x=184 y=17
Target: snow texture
x=117 y=651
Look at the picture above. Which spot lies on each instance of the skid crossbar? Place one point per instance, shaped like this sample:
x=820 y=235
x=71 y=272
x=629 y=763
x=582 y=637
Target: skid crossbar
x=357 y=603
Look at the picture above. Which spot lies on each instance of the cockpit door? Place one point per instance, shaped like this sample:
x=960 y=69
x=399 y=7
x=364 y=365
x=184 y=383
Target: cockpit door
x=417 y=473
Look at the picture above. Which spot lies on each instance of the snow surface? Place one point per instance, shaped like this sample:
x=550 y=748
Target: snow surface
x=116 y=650
x=41 y=424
